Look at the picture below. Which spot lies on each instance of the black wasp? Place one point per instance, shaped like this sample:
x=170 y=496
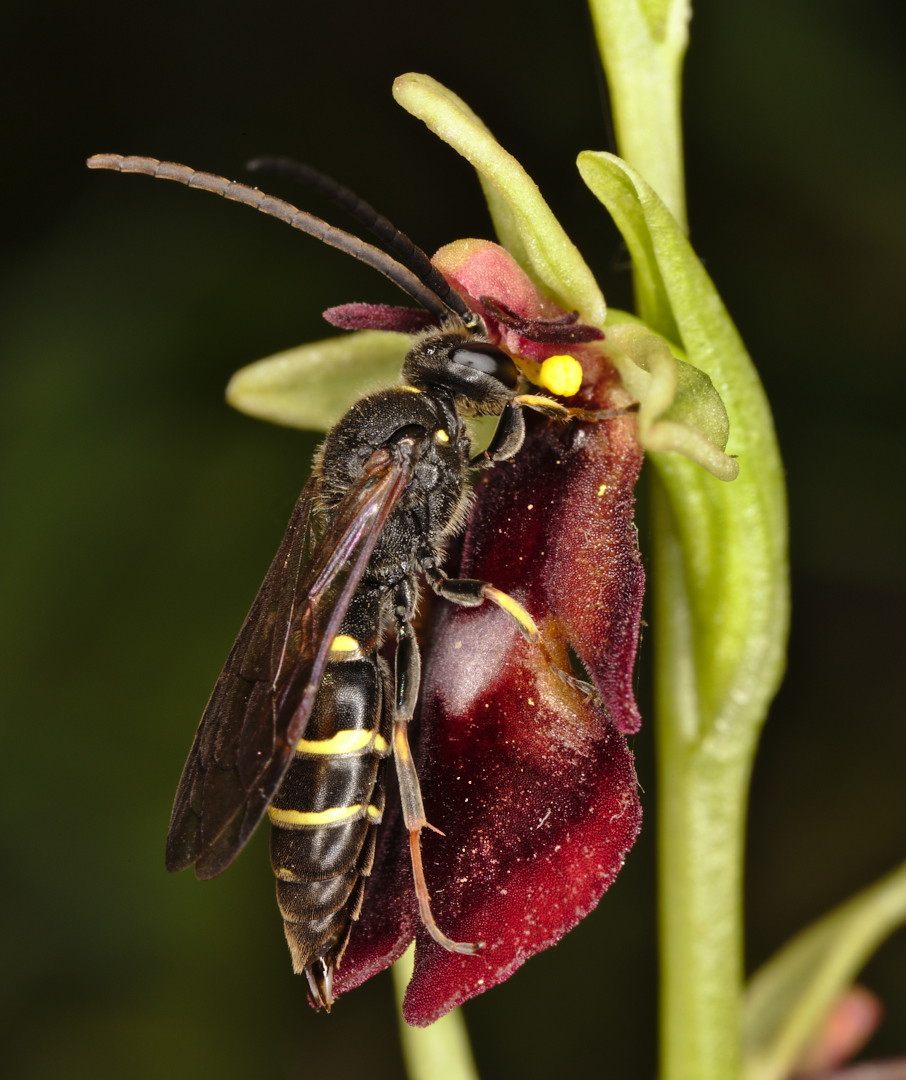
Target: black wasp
x=306 y=710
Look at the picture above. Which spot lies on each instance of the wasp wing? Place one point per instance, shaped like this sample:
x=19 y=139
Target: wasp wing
x=264 y=696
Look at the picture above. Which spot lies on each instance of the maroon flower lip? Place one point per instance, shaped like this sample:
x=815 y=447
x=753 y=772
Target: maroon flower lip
x=532 y=786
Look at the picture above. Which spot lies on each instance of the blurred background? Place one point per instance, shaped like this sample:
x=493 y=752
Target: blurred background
x=140 y=512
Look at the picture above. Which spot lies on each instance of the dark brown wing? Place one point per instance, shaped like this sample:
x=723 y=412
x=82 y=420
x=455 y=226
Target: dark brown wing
x=264 y=696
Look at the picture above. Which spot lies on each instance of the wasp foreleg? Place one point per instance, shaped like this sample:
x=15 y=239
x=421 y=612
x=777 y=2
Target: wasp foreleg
x=509 y=434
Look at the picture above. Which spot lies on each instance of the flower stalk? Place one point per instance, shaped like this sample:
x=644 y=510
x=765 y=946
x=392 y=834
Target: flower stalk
x=438 y=1052
x=719 y=560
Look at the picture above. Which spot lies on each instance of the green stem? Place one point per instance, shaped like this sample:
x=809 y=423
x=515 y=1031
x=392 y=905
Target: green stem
x=719 y=563
x=438 y=1052
x=701 y=816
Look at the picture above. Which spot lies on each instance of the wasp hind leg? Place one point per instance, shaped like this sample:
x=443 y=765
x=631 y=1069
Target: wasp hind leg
x=408 y=677
x=469 y=592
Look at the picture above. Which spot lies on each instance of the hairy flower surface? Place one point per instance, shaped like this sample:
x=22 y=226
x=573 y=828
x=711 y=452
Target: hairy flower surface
x=532 y=785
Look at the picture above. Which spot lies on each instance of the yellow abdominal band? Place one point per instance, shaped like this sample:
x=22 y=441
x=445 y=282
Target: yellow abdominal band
x=344 y=742
x=335 y=815
x=344 y=644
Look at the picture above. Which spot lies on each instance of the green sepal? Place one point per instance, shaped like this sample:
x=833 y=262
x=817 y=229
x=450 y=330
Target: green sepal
x=642 y=44
x=524 y=222
x=733 y=536
x=314 y=385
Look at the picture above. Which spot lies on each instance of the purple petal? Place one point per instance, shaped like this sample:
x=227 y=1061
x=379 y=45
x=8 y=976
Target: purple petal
x=379 y=317
x=533 y=787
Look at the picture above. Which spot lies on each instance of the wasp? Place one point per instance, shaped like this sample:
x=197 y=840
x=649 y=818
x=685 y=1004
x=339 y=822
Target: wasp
x=307 y=711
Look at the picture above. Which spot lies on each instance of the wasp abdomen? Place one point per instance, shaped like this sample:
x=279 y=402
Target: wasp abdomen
x=327 y=809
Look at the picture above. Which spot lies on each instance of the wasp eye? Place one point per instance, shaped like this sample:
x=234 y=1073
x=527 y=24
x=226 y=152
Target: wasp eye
x=482 y=356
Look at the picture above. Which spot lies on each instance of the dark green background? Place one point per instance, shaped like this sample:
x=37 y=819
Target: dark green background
x=140 y=512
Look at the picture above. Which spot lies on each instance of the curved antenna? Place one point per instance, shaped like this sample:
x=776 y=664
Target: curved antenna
x=408 y=252
x=400 y=275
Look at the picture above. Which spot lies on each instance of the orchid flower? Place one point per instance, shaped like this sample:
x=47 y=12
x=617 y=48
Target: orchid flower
x=535 y=790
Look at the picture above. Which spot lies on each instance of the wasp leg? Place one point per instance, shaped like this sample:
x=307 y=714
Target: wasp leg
x=549 y=407
x=510 y=431
x=408 y=677
x=469 y=592
x=507 y=440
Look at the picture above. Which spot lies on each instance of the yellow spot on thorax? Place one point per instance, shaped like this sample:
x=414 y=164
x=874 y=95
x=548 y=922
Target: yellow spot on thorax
x=441 y=436
x=343 y=643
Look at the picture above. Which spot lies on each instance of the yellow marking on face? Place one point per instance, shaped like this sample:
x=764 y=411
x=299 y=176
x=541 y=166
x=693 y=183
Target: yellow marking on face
x=332 y=816
x=343 y=643
x=512 y=608
x=561 y=375
x=441 y=436
x=344 y=742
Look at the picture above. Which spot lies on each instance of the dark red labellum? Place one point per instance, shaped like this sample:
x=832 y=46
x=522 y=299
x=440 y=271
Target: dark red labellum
x=533 y=787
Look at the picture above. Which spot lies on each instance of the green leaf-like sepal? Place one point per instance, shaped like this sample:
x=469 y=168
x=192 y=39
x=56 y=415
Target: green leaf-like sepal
x=524 y=222
x=314 y=385
x=732 y=537
x=679 y=410
x=642 y=44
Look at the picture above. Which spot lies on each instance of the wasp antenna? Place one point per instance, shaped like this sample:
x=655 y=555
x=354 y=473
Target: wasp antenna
x=399 y=274
x=409 y=253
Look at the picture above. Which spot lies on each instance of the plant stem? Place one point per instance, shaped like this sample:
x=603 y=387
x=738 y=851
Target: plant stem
x=719 y=574
x=701 y=816
x=439 y=1052
x=700 y=904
